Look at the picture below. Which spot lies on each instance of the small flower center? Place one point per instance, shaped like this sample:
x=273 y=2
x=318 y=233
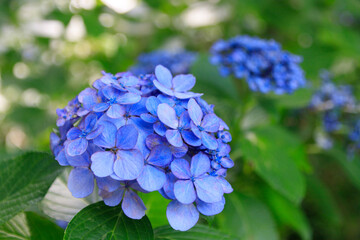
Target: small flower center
x=200 y=128
x=192 y=178
x=112 y=101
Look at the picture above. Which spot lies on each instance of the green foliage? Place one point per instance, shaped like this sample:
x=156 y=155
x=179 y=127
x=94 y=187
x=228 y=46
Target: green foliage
x=24 y=181
x=156 y=208
x=98 y=221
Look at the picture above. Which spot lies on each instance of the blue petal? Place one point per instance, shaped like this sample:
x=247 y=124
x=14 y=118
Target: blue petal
x=132 y=205
x=116 y=111
x=103 y=163
x=127 y=137
x=96 y=132
x=227 y=162
x=169 y=185
x=101 y=107
x=179 y=152
x=90 y=121
x=187 y=95
x=209 y=141
x=182 y=216
x=151 y=178
x=190 y=138
x=210 y=123
x=81 y=182
x=200 y=164
x=181 y=168
x=128 y=164
x=184 y=191
x=226 y=186
x=174 y=137
x=147 y=117
x=112 y=198
x=73 y=133
x=185 y=120
x=163 y=75
x=151 y=105
x=195 y=112
x=61 y=158
x=107 y=184
x=138 y=108
x=160 y=128
x=162 y=88
x=153 y=140
x=129 y=98
x=107 y=138
x=118 y=122
x=160 y=156
x=82 y=160
x=210 y=209
x=208 y=189
x=195 y=130
x=183 y=83
x=110 y=92
x=129 y=81
x=76 y=147
x=88 y=98
x=167 y=115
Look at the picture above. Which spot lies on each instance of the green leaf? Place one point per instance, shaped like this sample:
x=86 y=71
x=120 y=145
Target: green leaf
x=247 y=218
x=98 y=221
x=30 y=226
x=156 y=208
x=277 y=156
x=288 y=214
x=24 y=181
x=300 y=98
x=59 y=203
x=199 y=232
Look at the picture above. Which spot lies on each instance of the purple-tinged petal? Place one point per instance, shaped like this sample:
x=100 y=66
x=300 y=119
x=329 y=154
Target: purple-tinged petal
x=227 y=162
x=138 y=108
x=128 y=164
x=162 y=88
x=223 y=149
x=153 y=140
x=147 y=117
x=208 y=189
x=210 y=209
x=195 y=129
x=112 y=198
x=210 y=123
x=152 y=104
x=169 y=185
x=110 y=92
x=187 y=95
x=200 y=164
x=61 y=158
x=107 y=184
x=183 y=83
x=179 y=152
x=81 y=182
x=107 y=138
x=164 y=76
x=115 y=177
x=118 y=122
x=190 y=138
x=159 y=128
x=151 y=178
x=195 y=112
x=174 y=137
x=132 y=205
x=102 y=163
x=226 y=186
x=73 y=133
x=215 y=165
x=135 y=186
x=95 y=133
x=128 y=98
x=162 y=192
x=160 y=156
x=129 y=81
x=185 y=120
x=116 y=111
x=184 y=191
x=180 y=168
x=127 y=137
x=101 y=107
x=209 y=141
x=167 y=115
x=90 y=121
x=82 y=160
x=76 y=147
x=88 y=98
x=182 y=217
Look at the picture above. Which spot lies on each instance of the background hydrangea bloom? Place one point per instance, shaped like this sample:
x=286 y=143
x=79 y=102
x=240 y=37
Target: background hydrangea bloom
x=140 y=134
x=264 y=65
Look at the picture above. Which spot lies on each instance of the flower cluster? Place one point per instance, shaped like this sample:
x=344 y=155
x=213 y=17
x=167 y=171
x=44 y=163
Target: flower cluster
x=146 y=134
x=333 y=102
x=178 y=62
x=264 y=65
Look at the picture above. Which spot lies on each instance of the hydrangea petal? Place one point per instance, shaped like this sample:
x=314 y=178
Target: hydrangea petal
x=187 y=95
x=129 y=98
x=107 y=137
x=61 y=158
x=182 y=217
x=174 y=138
x=227 y=162
x=96 y=132
x=195 y=112
x=183 y=83
x=126 y=137
x=76 y=147
x=167 y=115
x=81 y=182
x=102 y=163
x=210 y=209
x=147 y=117
x=90 y=121
x=101 y=107
x=180 y=168
x=152 y=104
x=128 y=164
x=169 y=185
x=184 y=191
x=151 y=178
x=226 y=186
x=159 y=128
x=200 y=164
x=82 y=160
x=185 y=120
x=208 y=189
x=132 y=205
x=110 y=92
x=107 y=184
x=116 y=111
x=164 y=76
x=179 y=152
x=112 y=198
x=160 y=156
x=210 y=123
x=191 y=139
x=73 y=133
x=209 y=141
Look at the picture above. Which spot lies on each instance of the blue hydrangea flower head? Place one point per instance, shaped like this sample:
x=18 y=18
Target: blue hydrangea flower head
x=146 y=133
x=264 y=65
x=178 y=62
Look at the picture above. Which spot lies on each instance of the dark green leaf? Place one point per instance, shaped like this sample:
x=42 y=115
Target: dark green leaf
x=247 y=218
x=98 y=221
x=199 y=232
x=24 y=181
x=275 y=156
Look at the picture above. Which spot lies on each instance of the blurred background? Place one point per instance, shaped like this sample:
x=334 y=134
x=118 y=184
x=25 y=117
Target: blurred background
x=51 y=50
